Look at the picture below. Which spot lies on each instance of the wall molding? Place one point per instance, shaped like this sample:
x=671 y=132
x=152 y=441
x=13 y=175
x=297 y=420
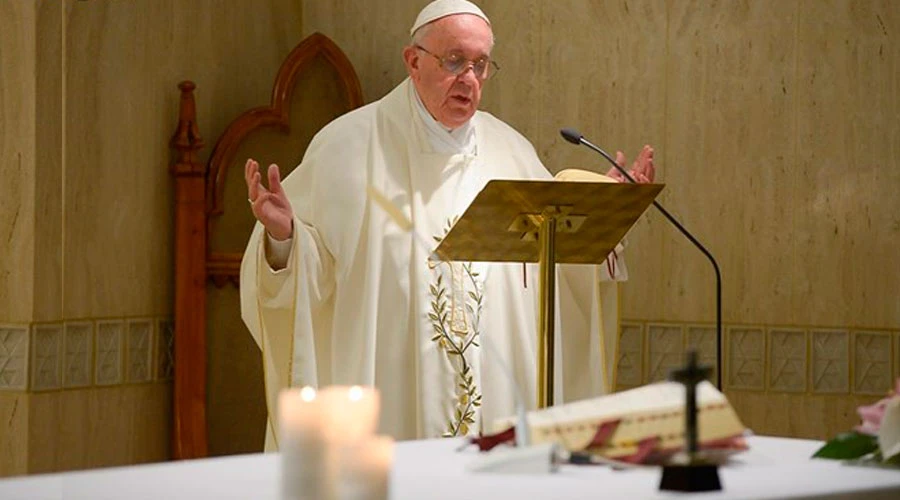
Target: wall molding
x=84 y=353
x=812 y=360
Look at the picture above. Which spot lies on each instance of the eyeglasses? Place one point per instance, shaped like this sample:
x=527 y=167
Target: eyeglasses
x=455 y=64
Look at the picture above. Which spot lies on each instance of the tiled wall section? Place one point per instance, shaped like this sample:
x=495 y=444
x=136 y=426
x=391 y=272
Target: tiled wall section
x=814 y=360
x=85 y=353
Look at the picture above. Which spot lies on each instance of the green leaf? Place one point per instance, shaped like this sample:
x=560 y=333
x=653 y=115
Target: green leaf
x=847 y=446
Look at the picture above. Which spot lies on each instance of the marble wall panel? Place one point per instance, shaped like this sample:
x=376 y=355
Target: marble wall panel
x=17 y=157
x=139 y=344
x=78 y=349
x=514 y=94
x=72 y=430
x=830 y=356
x=629 y=367
x=49 y=249
x=787 y=362
x=123 y=61
x=110 y=352
x=872 y=353
x=47 y=356
x=848 y=214
x=797 y=415
x=729 y=95
x=665 y=351
x=745 y=365
x=14 y=359
x=14 y=436
x=164 y=364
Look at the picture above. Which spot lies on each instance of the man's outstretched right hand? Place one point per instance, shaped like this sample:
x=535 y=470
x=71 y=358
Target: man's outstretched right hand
x=270 y=206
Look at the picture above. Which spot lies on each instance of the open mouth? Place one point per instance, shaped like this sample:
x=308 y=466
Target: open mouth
x=461 y=99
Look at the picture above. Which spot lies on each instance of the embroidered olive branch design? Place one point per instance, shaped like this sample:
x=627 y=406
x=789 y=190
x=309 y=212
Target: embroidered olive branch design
x=468 y=398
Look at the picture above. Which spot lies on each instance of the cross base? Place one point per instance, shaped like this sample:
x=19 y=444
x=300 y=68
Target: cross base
x=695 y=477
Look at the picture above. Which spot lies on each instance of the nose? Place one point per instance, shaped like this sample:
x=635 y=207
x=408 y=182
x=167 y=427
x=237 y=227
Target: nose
x=468 y=75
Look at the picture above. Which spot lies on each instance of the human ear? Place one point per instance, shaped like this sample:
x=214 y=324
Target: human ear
x=411 y=60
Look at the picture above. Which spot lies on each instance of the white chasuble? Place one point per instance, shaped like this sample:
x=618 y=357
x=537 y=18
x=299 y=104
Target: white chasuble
x=360 y=303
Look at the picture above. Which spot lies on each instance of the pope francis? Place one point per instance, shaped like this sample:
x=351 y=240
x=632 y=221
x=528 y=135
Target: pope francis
x=334 y=291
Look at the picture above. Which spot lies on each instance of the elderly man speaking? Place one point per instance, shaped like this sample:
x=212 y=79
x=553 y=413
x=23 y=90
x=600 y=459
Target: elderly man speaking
x=334 y=291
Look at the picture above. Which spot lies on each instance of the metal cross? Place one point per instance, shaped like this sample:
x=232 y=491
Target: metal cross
x=690 y=376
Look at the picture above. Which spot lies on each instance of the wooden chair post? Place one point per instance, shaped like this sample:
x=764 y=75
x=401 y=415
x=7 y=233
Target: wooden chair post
x=189 y=402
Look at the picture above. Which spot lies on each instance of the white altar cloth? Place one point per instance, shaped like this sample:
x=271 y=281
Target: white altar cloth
x=773 y=468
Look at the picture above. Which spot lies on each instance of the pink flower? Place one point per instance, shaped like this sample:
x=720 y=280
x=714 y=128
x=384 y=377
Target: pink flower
x=873 y=414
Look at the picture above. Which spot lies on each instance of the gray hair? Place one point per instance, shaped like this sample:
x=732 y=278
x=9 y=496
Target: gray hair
x=421 y=33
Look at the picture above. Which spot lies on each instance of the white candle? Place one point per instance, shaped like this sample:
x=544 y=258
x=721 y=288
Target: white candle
x=307 y=465
x=365 y=469
x=352 y=412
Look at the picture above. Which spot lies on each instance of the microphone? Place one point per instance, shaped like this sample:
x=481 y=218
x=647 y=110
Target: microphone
x=576 y=138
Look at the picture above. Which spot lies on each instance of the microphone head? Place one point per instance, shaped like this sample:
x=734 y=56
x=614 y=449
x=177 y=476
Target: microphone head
x=571 y=135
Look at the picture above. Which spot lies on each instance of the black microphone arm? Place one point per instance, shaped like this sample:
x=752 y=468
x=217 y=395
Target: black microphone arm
x=576 y=138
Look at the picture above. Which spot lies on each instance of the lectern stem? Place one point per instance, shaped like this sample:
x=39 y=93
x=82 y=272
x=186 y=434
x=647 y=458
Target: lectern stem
x=548 y=311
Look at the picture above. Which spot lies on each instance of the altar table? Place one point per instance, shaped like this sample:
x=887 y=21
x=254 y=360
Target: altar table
x=433 y=469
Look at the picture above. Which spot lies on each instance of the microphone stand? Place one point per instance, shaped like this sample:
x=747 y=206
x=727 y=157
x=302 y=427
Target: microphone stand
x=575 y=138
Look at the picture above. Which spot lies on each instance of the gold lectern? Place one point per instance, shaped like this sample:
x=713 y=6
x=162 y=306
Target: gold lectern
x=548 y=222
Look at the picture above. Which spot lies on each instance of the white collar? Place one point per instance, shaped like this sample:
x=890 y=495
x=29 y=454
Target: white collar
x=458 y=141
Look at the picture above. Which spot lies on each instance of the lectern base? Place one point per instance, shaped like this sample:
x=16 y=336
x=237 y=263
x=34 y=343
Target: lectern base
x=698 y=477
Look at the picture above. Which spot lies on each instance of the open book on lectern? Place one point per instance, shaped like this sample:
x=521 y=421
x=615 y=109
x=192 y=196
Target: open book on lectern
x=592 y=216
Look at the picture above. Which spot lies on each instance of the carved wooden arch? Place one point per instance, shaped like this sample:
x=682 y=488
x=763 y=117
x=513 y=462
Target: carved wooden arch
x=199 y=191
x=278 y=112
x=225 y=267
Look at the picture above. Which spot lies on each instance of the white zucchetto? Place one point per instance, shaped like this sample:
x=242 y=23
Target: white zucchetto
x=443 y=8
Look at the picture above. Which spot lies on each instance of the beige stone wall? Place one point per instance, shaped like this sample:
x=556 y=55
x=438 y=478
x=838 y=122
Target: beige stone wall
x=776 y=132
x=17 y=137
x=88 y=102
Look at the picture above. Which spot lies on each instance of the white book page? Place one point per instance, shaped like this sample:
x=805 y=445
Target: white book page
x=649 y=398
